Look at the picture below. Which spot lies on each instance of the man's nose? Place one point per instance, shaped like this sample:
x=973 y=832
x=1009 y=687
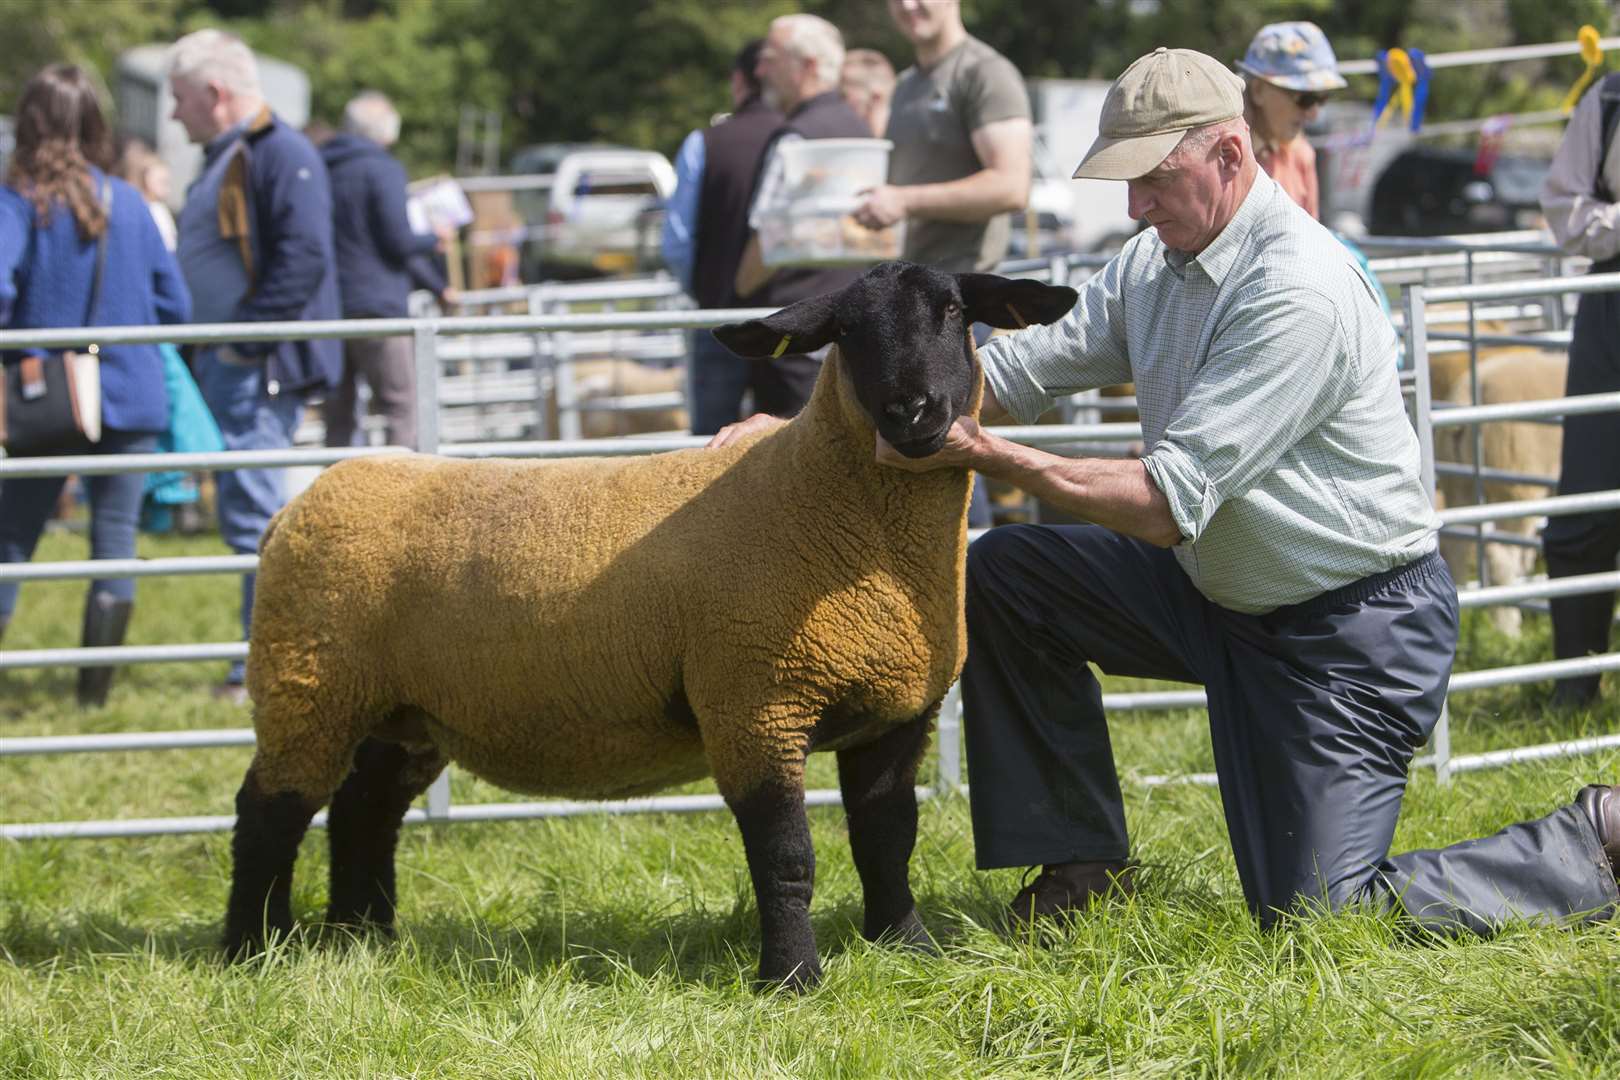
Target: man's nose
x=1137 y=201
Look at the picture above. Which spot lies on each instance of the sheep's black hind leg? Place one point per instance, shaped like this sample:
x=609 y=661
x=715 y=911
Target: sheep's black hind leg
x=268 y=829
x=877 y=780
x=782 y=863
x=363 y=829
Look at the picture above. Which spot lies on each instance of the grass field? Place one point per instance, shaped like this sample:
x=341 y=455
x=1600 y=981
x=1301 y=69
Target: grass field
x=625 y=946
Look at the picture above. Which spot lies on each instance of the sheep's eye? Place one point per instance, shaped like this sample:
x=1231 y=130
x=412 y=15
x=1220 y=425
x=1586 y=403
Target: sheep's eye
x=953 y=308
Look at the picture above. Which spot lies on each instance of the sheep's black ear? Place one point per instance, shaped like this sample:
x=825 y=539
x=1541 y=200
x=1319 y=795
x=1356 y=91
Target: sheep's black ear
x=797 y=328
x=1011 y=303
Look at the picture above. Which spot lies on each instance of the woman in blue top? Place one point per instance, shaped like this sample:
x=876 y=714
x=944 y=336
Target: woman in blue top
x=53 y=213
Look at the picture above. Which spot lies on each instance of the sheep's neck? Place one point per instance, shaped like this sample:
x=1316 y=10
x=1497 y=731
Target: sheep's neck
x=834 y=433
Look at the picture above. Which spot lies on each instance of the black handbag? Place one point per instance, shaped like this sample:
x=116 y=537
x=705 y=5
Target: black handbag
x=52 y=404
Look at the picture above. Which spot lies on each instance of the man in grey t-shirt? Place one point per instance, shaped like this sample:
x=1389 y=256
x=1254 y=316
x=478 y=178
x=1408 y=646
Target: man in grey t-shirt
x=960 y=124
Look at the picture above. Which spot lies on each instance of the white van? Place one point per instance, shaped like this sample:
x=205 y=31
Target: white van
x=601 y=213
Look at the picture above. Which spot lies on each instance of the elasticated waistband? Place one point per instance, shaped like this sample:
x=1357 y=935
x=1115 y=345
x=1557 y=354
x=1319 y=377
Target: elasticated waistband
x=1419 y=569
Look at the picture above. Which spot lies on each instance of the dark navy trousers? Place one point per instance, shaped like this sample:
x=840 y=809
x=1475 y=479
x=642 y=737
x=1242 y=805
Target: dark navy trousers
x=1588 y=543
x=1315 y=711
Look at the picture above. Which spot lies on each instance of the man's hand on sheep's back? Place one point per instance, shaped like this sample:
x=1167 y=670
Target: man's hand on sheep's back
x=742 y=429
x=963 y=449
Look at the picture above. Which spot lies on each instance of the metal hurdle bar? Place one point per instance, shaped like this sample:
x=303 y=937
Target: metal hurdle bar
x=438 y=804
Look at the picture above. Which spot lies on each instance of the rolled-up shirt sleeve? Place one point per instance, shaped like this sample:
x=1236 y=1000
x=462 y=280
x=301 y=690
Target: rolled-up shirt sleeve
x=1275 y=371
x=1085 y=349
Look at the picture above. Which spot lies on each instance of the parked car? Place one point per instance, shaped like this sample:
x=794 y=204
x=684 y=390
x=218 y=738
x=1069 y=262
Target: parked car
x=1432 y=191
x=600 y=214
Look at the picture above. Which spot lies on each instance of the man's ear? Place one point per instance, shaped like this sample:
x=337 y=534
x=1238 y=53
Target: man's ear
x=798 y=328
x=1012 y=303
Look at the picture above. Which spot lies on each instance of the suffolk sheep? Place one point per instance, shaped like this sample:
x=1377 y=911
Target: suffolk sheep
x=607 y=628
x=1521 y=446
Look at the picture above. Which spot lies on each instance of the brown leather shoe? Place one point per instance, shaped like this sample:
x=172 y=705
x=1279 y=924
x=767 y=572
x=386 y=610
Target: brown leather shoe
x=1065 y=888
x=1602 y=806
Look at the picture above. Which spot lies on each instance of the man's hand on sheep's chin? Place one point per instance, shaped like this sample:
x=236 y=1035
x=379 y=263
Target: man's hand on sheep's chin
x=742 y=429
x=960 y=451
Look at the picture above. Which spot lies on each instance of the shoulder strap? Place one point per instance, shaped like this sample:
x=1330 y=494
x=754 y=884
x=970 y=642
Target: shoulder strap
x=1609 y=99
x=101 y=253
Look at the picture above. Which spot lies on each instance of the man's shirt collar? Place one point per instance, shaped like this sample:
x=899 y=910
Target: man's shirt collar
x=1217 y=260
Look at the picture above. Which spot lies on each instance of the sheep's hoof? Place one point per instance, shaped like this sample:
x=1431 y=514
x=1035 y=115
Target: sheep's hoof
x=801 y=978
x=907 y=932
x=349 y=929
x=242 y=946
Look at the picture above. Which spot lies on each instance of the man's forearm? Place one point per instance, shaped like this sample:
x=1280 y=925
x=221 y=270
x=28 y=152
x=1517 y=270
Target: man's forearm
x=1117 y=494
x=982 y=195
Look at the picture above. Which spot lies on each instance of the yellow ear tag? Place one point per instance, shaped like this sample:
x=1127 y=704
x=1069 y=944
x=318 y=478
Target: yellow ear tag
x=1017 y=318
x=781 y=346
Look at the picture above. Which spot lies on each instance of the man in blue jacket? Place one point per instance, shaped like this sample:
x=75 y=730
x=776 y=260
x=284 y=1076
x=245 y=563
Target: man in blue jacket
x=379 y=258
x=255 y=246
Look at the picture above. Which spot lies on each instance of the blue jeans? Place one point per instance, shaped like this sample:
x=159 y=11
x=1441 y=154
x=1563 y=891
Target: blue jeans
x=248 y=419
x=115 y=506
x=717 y=378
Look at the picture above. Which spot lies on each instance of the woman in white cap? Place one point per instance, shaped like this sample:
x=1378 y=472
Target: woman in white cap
x=1289 y=70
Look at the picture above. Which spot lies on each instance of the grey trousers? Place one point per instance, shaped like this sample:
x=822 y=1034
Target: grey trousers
x=1315 y=713
x=388 y=366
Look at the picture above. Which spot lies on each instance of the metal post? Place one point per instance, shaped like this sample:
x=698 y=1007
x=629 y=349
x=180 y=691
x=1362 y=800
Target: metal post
x=568 y=421
x=427 y=441
x=1476 y=432
x=950 y=740
x=544 y=371
x=1417 y=348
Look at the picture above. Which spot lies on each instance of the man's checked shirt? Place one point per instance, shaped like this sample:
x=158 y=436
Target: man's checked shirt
x=1271 y=409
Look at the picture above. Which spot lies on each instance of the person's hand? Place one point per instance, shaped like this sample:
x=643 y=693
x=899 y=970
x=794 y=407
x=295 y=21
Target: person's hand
x=449 y=298
x=881 y=207
x=742 y=429
x=959 y=452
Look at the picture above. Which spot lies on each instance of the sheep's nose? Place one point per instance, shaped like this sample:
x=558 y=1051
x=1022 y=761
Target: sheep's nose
x=907 y=410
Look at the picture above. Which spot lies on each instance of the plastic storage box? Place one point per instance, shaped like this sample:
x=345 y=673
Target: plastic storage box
x=810 y=222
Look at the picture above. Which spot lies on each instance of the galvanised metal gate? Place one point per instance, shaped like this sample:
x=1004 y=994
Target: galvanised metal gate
x=425 y=333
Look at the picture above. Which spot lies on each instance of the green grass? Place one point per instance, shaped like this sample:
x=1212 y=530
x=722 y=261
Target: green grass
x=625 y=946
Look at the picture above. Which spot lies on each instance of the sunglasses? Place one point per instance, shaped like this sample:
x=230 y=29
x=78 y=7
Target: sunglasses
x=1309 y=99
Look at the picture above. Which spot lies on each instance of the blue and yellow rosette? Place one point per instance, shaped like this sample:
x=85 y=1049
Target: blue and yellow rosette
x=1403 y=80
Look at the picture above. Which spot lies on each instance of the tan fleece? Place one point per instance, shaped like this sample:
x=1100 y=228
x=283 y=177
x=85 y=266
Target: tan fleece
x=555 y=627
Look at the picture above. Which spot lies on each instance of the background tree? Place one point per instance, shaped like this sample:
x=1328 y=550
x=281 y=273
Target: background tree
x=644 y=72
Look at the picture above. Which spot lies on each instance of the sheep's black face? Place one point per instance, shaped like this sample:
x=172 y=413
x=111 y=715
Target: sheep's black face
x=906 y=339
x=905 y=334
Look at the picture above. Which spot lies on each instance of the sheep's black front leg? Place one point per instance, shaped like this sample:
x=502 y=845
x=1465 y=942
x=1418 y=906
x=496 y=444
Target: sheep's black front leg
x=782 y=863
x=877 y=780
x=363 y=830
x=268 y=829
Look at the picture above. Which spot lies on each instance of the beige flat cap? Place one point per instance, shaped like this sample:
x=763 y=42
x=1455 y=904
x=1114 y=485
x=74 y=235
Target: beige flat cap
x=1152 y=105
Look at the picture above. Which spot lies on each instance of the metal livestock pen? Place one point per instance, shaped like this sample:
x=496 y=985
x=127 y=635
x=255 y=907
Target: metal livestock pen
x=428 y=335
